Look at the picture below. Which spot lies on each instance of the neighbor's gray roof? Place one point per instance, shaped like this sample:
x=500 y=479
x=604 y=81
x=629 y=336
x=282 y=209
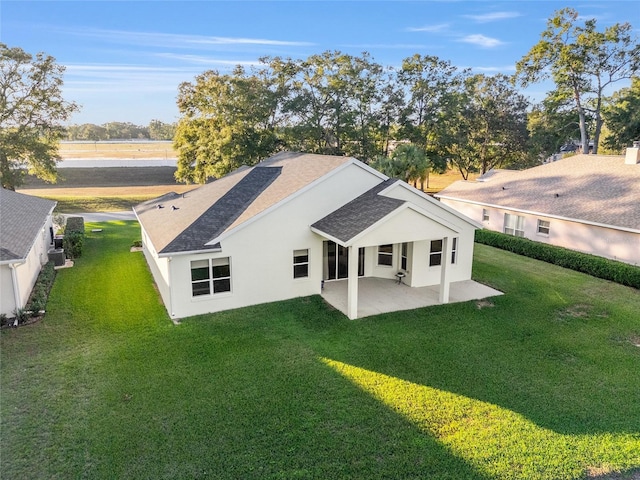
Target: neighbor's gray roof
x=359 y=214
x=21 y=220
x=188 y=222
x=593 y=188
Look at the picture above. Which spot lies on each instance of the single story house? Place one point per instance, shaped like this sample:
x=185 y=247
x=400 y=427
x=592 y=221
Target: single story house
x=26 y=236
x=588 y=203
x=284 y=227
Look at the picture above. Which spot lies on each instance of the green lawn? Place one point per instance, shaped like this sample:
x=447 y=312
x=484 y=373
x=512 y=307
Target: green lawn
x=544 y=384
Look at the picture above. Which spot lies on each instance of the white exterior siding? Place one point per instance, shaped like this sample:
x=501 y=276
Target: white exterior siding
x=261 y=252
x=26 y=272
x=596 y=240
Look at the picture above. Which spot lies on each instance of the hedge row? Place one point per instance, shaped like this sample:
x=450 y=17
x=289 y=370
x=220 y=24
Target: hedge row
x=73 y=242
x=600 y=267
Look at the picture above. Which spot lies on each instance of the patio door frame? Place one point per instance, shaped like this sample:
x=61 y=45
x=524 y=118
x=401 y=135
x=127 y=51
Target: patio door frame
x=340 y=260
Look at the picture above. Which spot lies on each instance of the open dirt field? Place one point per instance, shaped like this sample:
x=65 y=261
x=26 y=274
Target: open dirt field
x=138 y=150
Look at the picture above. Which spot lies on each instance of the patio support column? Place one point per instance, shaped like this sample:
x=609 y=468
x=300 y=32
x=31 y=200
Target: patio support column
x=352 y=284
x=444 y=270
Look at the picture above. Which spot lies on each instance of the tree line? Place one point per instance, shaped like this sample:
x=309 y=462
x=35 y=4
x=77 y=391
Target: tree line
x=156 y=130
x=340 y=104
x=426 y=115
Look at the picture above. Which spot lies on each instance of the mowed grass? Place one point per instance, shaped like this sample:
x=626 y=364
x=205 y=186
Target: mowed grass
x=543 y=384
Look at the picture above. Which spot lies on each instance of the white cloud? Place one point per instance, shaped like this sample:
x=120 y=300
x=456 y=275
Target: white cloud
x=156 y=39
x=481 y=41
x=493 y=16
x=199 y=60
x=441 y=27
x=495 y=69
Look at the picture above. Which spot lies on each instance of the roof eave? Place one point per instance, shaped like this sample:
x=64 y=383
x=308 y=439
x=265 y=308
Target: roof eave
x=542 y=214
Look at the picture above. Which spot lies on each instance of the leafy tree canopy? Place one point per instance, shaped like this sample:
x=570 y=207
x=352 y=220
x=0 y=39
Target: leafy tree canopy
x=622 y=117
x=583 y=62
x=32 y=113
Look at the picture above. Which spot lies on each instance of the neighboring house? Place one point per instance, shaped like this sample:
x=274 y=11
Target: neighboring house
x=588 y=203
x=282 y=228
x=26 y=235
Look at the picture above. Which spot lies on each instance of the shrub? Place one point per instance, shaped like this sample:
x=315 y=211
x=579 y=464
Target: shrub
x=21 y=315
x=40 y=294
x=137 y=243
x=600 y=267
x=73 y=242
x=75 y=224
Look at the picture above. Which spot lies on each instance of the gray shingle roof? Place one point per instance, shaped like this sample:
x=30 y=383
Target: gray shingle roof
x=593 y=188
x=359 y=214
x=206 y=212
x=224 y=212
x=21 y=220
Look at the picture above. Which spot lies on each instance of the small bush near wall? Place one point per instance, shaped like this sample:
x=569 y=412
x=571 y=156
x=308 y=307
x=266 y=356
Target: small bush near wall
x=73 y=242
x=600 y=267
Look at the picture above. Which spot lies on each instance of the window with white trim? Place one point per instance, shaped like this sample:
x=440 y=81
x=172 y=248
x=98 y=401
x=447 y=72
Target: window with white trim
x=485 y=215
x=404 y=255
x=454 y=250
x=543 y=227
x=210 y=276
x=435 y=253
x=301 y=263
x=385 y=255
x=514 y=225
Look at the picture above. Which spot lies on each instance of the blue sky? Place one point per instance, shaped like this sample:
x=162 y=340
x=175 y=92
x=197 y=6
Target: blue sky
x=125 y=59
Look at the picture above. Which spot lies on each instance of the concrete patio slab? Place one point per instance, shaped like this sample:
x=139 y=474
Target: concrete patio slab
x=379 y=295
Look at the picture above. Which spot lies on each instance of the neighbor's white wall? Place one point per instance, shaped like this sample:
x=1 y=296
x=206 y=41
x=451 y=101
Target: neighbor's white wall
x=7 y=301
x=262 y=253
x=27 y=272
x=605 y=242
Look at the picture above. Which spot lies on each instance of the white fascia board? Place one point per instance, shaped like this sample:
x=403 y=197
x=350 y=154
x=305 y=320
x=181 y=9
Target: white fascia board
x=17 y=261
x=430 y=199
x=288 y=198
x=542 y=214
x=189 y=252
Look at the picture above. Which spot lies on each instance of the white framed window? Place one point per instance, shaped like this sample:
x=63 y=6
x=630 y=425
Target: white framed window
x=543 y=227
x=301 y=263
x=404 y=256
x=210 y=276
x=385 y=255
x=454 y=250
x=485 y=215
x=514 y=225
x=435 y=253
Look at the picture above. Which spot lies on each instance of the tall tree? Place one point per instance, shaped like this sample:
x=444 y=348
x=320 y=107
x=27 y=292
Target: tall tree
x=226 y=122
x=583 y=62
x=490 y=128
x=550 y=127
x=622 y=117
x=32 y=113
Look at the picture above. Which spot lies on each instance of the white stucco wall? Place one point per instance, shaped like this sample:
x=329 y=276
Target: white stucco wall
x=261 y=252
x=606 y=242
x=7 y=301
x=26 y=272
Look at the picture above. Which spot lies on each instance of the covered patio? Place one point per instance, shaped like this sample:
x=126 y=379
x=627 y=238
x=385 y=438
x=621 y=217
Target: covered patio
x=380 y=295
